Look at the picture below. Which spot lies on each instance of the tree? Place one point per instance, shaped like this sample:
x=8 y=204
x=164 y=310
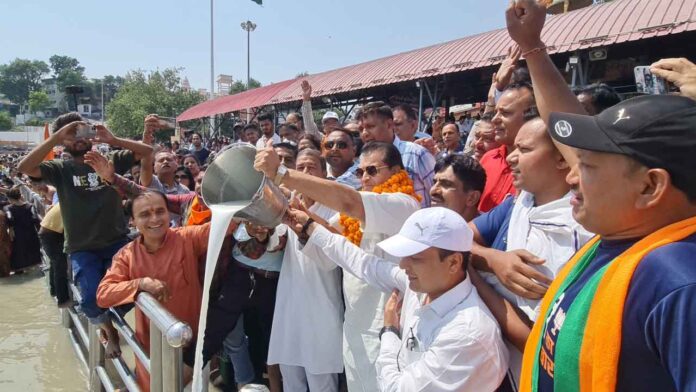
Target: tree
x=238 y=86
x=60 y=64
x=38 y=101
x=302 y=75
x=21 y=77
x=143 y=93
x=5 y=121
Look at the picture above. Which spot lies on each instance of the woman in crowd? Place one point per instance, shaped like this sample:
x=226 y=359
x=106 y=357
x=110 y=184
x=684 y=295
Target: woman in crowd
x=22 y=222
x=184 y=177
x=192 y=164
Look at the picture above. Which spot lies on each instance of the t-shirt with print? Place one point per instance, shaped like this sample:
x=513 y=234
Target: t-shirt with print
x=92 y=213
x=659 y=320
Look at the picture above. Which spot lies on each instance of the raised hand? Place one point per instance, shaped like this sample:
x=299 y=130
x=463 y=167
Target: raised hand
x=151 y=125
x=681 y=72
x=267 y=160
x=102 y=166
x=392 y=310
x=104 y=135
x=525 y=20
x=504 y=74
x=306 y=91
x=68 y=132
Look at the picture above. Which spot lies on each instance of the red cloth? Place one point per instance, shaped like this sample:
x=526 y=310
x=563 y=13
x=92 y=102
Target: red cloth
x=498 y=179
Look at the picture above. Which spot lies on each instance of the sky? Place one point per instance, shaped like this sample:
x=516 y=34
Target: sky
x=110 y=37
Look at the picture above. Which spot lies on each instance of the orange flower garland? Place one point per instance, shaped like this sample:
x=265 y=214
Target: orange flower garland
x=398 y=183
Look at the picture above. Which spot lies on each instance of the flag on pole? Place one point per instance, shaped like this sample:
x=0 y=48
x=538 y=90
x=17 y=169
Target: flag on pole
x=259 y=2
x=51 y=155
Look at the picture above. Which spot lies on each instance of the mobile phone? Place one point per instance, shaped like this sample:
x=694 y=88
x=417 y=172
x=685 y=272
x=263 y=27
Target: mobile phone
x=648 y=83
x=86 y=131
x=167 y=123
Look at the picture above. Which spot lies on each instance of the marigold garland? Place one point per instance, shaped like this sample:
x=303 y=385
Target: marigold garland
x=398 y=183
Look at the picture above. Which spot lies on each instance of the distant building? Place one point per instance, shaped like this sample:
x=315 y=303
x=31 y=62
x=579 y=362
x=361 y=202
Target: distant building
x=55 y=96
x=185 y=85
x=224 y=84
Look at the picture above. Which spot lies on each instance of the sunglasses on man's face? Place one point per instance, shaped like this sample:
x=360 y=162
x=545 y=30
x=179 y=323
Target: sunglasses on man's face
x=340 y=145
x=370 y=170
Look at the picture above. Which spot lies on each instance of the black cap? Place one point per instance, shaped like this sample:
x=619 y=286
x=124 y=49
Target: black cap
x=658 y=131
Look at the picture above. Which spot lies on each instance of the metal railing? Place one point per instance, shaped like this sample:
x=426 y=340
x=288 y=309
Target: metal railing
x=165 y=365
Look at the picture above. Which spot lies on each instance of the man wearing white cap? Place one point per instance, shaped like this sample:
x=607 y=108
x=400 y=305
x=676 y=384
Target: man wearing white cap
x=443 y=338
x=330 y=121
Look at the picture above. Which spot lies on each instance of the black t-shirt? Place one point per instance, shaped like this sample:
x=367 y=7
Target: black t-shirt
x=201 y=155
x=658 y=338
x=92 y=213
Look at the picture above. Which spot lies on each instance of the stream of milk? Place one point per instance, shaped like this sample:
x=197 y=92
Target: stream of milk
x=221 y=216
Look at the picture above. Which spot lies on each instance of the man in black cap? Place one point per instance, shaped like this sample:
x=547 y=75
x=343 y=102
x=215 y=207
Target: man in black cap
x=621 y=315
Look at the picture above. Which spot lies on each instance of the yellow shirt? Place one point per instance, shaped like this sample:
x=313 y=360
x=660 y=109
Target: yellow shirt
x=53 y=220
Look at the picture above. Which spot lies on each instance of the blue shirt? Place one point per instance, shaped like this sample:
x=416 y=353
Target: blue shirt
x=349 y=178
x=493 y=225
x=420 y=165
x=658 y=339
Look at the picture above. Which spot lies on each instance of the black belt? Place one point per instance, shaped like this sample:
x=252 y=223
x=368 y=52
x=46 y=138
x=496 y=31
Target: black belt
x=257 y=271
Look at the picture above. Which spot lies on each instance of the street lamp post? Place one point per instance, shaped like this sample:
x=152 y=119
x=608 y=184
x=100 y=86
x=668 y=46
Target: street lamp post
x=248 y=26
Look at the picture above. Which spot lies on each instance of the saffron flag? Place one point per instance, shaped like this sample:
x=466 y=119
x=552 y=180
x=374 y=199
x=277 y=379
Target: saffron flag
x=51 y=155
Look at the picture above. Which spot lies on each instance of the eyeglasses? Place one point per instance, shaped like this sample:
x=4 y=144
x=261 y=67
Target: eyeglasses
x=370 y=170
x=340 y=145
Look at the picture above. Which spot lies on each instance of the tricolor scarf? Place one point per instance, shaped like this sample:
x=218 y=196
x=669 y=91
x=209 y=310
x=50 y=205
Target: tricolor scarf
x=591 y=364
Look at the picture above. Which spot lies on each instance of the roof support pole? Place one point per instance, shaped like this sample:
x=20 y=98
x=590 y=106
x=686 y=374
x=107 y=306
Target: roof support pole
x=419 y=84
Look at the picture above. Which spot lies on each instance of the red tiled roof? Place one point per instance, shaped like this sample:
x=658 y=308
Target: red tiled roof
x=599 y=25
x=232 y=103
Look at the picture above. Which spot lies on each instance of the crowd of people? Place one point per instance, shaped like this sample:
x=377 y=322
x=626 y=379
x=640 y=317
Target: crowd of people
x=543 y=244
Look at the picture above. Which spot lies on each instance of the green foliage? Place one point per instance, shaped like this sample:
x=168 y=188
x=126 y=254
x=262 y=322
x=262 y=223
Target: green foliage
x=5 y=121
x=143 y=93
x=60 y=64
x=302 y=75
x=238 y=86
x=38 y=101
x=20 y=77
x=35 y=122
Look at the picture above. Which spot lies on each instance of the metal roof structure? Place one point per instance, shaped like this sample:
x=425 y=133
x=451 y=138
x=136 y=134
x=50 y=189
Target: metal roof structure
x=600 y=25
x=232 y=103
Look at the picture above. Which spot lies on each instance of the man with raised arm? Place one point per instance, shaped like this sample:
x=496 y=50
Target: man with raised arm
x=620 y=315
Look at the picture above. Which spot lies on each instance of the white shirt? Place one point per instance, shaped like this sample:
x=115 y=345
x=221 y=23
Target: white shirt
x=308 y=317
x=451 y=344
x=385 y=213
x=261 y=143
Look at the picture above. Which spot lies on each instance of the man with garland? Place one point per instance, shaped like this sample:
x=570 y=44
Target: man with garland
x=367 y=217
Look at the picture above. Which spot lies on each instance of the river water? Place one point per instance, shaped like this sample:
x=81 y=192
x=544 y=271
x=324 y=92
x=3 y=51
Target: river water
x=35 y=350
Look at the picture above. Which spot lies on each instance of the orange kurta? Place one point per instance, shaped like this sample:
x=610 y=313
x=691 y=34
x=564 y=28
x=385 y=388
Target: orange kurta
x=175 y=264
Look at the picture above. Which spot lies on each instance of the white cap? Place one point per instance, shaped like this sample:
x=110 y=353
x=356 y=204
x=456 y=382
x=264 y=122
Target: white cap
x=435 y=227
x=329 y=115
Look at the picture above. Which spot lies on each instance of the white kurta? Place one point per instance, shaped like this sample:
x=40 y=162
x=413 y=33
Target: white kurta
x=451 y=344
x=308 y=316
x=384 y=215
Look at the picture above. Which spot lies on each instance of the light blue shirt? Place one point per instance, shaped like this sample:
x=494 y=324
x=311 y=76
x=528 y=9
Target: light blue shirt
x=420 y=165
x=349 y=178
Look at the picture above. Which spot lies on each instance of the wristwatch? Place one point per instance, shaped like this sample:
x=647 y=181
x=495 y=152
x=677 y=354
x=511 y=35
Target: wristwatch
x=389 y=329
x=282 y=171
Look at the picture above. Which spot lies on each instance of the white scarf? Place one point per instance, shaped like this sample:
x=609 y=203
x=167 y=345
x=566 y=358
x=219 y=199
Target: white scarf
x=549 y=232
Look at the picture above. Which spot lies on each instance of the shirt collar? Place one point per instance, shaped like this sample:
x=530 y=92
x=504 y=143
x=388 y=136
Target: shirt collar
x=449 y=300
